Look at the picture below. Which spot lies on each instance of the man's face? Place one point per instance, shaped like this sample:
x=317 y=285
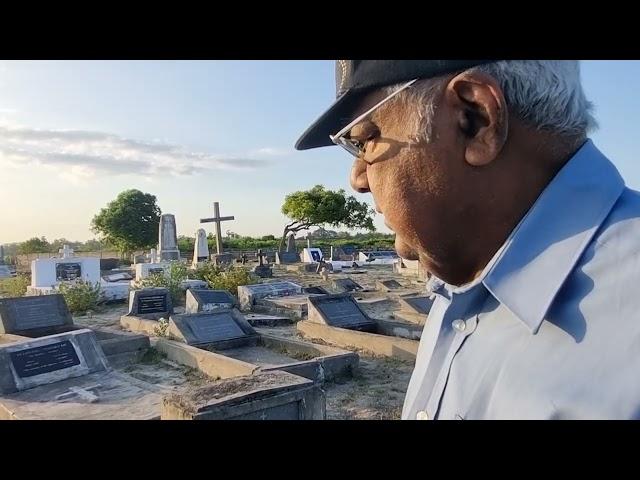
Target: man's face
x=424 y=190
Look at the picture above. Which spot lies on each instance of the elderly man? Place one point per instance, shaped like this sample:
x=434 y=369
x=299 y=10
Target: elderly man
x=484 y=171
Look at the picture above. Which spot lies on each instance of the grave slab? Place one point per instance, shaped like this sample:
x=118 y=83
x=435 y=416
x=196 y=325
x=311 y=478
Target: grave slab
x=224 y=327
x=264 y=396
x=339 y=310
x=34 y=362
x=35 y=316
x=247 y=294
x=204 y=300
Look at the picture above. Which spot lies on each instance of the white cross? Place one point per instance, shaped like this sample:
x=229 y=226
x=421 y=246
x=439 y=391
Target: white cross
x=66 y=251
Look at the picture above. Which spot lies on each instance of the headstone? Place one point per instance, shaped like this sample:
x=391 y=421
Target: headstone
x=150 y=303
x=274 y=395
x=339 y=311
x=283 y=258
x=1 y=255
x=346 y=285
x=420 y=304
x=262 y=270
x=201 y=248
x=211 y=328
x=144 y=270
x=28 y=364
x=382 y=257
x=66 y=251
x=312 y=255
x=168 y=238
x=139 y=259
x=153 y=256
x=386 y=285
x=247 y=294
x=201 y=300
x=34 y=316
x=49 y=272
x=316 y=290
x=291 y=243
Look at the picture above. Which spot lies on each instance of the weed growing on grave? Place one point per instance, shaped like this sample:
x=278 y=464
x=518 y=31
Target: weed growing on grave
x=160 y=330
x=170 y=279
x=80 y=295
x=225 y=278
x=14 y=287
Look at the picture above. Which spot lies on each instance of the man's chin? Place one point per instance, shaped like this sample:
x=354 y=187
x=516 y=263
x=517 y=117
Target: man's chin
x=405 y=251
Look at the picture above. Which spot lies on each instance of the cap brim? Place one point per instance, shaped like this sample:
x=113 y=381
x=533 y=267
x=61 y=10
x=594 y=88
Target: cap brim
x=331 y=122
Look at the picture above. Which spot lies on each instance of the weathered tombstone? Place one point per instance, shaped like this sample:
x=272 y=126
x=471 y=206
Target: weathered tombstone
x=222 y=328
x=291 y=243
x=28 y=364
x=419 y=304
x=272 y=395
x=247 y=294
x=262 y=270
x=47 y=273
x=109 y=263
x=316 y=290
x=150 y=303
x=118 y=277
x=201 y=300
x=168 y=238
x=35 y=316
x=201 y=248
x=139 y=259
x=283 y=258
x=386 y=285
x=339 y=311
x=346 y=285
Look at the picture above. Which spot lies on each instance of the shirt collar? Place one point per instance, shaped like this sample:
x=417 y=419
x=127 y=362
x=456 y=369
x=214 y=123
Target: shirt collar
x=530 y=268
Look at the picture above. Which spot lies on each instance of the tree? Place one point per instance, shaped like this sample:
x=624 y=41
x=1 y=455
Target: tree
x=319 y=206
x=34 y=245
x=130 y=222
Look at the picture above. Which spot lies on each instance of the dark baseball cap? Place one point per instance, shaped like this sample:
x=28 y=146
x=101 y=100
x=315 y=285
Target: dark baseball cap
x=355 y=78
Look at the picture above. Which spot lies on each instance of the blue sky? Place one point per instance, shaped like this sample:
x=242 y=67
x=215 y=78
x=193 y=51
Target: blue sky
x=74 y=134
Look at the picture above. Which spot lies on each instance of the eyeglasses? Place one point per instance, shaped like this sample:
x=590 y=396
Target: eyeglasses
x=355 y=147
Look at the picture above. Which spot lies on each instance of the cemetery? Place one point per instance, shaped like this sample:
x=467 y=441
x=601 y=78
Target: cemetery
x=308 y=334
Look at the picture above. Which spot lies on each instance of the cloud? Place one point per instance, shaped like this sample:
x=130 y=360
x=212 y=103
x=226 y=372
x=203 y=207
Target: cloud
x=82 y=155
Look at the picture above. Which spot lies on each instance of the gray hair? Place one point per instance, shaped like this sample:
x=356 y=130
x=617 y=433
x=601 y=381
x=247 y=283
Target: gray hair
x=545 y=94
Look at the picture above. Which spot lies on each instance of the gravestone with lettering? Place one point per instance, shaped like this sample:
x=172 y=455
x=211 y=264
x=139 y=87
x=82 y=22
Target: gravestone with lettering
x=48 y=273
x=200 y=248
x=248 y=294
x=418 y=304
x=221 y=328
x=31 y=363
x=339 y=311
x=35 y=316
x=168 y=238
x=346 y=285
x=150 y=303
x=203 y=300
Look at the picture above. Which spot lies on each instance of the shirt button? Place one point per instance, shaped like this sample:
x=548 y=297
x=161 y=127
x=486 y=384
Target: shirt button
x=422 y=415
x=459 y=325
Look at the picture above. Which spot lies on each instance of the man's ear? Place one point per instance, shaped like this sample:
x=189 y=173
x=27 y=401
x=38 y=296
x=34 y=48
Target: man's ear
x=481 y=112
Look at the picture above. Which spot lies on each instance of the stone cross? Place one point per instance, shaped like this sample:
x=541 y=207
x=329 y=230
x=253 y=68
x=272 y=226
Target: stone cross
x=217 y=219
x=66 y=251
x=260 y=255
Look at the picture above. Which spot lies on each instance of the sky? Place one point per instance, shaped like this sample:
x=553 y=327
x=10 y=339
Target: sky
x=74 y=134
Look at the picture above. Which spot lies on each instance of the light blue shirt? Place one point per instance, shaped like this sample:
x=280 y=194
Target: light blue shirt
x=551 y=328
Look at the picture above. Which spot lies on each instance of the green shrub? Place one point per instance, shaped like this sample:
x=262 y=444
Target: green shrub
x=170 y=279
x=225 y=278
x=14 y=287
x=80 y=296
